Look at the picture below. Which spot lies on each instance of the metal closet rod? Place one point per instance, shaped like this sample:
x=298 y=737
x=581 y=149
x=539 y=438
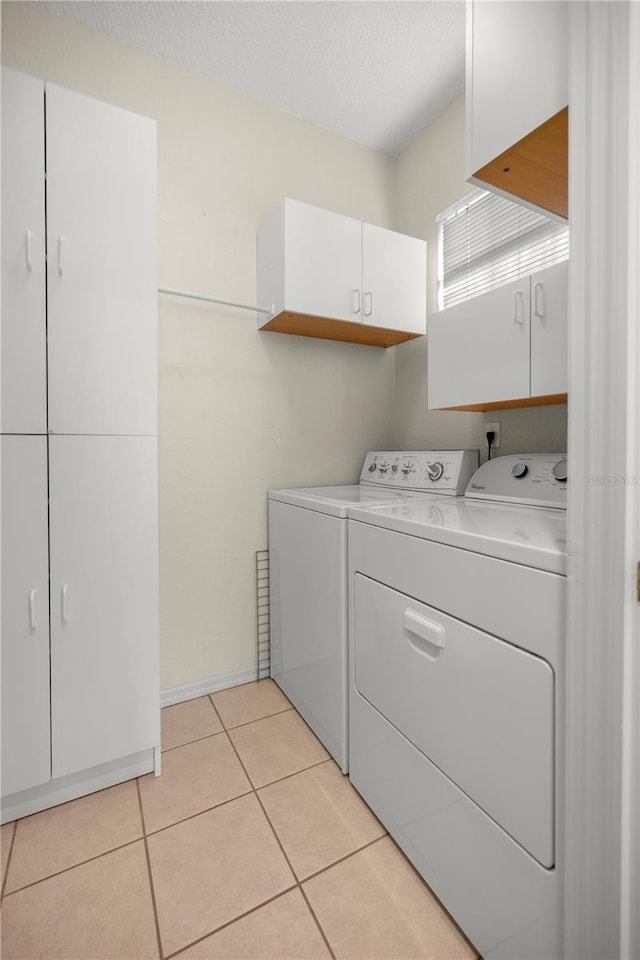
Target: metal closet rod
x=228 y=303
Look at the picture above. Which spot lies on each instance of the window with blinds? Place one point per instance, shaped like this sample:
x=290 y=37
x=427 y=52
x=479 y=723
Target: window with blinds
x=486 y=240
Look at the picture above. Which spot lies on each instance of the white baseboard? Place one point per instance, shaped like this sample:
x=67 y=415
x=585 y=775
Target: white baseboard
x=200 y=688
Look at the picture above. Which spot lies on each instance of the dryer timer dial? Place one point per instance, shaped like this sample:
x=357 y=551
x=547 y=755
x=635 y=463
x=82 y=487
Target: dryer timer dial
x=560 y=470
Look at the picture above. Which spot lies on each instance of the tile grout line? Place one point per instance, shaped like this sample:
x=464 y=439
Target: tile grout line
x=246 y=723
x=152 y=889
x=73 y=866
x=271 y=783
x=347 y=856
x=188 y=743
x=229 y=923
x=223 y=729
x=192 y=816
x=6 y=869
x=284 y=854
x=200 y=813
x=267 y=716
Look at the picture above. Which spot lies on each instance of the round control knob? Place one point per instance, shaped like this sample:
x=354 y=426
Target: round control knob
x=406 y=469
x=519 y=470
x=383 y=468
x=435 y=470
x=372 y=467
x=560 y=470
x=394 y=468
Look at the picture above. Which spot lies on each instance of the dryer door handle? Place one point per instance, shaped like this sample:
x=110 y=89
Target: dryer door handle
x=427 y=631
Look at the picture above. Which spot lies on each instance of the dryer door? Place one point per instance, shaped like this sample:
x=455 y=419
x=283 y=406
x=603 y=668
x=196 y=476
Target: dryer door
x=481 y=709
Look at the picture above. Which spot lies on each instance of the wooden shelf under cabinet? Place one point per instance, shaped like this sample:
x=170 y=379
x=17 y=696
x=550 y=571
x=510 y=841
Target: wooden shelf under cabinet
x=325 y=328
x=512 y=404
x=536 y=167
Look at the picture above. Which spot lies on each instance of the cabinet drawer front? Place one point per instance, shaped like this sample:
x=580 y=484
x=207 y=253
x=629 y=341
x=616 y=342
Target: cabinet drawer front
x=478 y=351
x=479 y=708
x=25 y=615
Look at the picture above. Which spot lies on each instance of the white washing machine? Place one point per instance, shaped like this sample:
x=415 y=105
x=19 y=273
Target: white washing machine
x=308 y=576
x=457 y=626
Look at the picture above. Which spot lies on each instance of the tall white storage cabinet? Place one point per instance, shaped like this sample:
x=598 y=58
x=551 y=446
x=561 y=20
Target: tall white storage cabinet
x=80 y=673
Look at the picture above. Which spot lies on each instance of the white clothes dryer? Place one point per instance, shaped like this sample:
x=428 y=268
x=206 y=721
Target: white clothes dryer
x=457 y=626
x=308 y=576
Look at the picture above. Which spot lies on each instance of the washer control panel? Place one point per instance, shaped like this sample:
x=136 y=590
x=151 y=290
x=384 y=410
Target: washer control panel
x=428 y=471
x=536 y=479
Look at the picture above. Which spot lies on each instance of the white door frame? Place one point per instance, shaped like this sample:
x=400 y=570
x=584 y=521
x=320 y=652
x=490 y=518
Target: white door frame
x=602 y=833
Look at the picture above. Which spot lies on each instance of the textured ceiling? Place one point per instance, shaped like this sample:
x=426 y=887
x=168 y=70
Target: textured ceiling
x=376 y=71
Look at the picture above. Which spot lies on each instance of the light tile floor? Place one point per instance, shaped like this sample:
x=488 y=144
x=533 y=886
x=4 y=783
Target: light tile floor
x=251 y=846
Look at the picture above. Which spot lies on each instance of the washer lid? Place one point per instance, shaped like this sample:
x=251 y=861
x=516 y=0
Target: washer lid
x=336 y=501
x=531 y=536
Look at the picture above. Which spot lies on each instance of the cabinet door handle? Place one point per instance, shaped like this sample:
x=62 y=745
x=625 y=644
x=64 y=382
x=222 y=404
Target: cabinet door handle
x=28 y=249
x=518 y=315
x=427 y=631
x=61 y=256
x=64 y=604
x=538 y=301
x=368 y=303
x=33 y=615
x=356 y=301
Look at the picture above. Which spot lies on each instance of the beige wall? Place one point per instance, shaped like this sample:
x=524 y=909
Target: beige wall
x=429 y=177
x=239 y=411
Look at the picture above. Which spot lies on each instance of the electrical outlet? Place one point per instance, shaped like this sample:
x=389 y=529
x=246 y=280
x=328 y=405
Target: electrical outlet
x=495 y=426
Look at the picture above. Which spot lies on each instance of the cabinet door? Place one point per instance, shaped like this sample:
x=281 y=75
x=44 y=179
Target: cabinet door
x=394 y=280
x=24 y=378
x=101 y=225
x=323 y=263
x=25 y=614
x=549 y=330
x=478 y=351
x=104 y=599
x=517 y=74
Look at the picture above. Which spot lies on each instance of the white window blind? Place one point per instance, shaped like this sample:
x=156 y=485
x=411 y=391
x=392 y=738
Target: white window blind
x=486 y=240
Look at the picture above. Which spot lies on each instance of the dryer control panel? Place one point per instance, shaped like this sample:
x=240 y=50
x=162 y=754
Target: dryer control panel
x=534 y=479
x=446 y=472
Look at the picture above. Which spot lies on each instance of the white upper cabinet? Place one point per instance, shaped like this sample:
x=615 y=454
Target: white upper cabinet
x=24 y=350
x=101 y=226
x=507 y=347
x=478 y=351
x=394 y=281
x=549 y=331
x=104 y=599
x=516 y=95
x=25 y=614
x=336 y=278
x=323 y=261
